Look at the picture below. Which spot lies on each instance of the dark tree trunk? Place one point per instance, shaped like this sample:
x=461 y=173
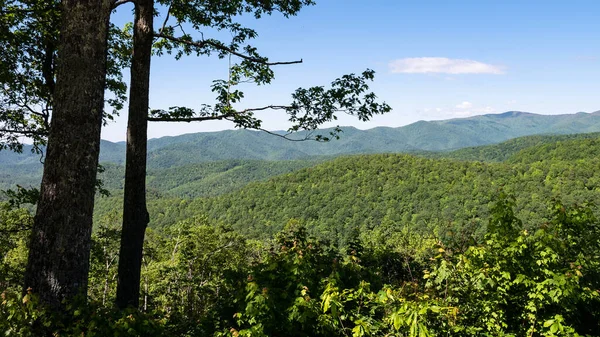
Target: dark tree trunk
x=58 y=263
x=135 y=214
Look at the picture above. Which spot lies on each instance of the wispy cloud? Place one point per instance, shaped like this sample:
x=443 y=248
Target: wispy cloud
x=428 y=65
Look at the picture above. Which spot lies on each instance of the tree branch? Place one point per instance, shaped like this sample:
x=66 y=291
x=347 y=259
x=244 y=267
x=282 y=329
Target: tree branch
x=190 y=119
x=285 y=136
x=162 y=29
x=118 y=3
x=215 y=117
x=204 y=43
x=273 y=107
x=231 y=117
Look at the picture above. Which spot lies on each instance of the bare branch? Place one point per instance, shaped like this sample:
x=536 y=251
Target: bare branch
x=204 y=43
x=118 y=3
x=164 y=25
x=286 y=136
x=24 y=105
x=273 y=107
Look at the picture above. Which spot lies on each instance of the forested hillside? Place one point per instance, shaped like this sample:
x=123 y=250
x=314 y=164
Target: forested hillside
x=506 y=242
x=503 y=151
x=198 y=152
x=427 y=196
x=205 y=179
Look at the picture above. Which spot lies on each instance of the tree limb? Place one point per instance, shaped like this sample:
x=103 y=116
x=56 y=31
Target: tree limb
x=186 y=119
x=118 y=3
x=204 y=43
x=216 y=117
x=162 y=29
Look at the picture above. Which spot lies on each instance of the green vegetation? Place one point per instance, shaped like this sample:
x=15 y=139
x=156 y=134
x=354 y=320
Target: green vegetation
x=421 y=136
x=215 y=177
x=203 y=280
x=500 y=240
x=505 y=150
x=400 y=192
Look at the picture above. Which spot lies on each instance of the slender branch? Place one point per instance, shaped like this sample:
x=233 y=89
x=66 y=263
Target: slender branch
x=231 y=117
x=164 y=25
x=285 y=136
x=118 y=3
x=215 y=117
x=227 y=117
x=273 y=107
x=30 y=109
x=204 y=43
x=186 y=119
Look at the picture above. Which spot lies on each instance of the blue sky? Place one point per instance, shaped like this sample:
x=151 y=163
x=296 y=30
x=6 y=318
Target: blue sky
x=434 y=60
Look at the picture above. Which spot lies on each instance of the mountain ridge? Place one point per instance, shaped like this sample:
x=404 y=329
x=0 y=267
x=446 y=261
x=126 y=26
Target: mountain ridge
x=440 y=135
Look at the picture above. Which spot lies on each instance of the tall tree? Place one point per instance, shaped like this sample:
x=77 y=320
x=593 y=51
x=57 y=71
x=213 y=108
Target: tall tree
x=309 y=109
x=58 y=262
x=135 y=214
x=30 y=31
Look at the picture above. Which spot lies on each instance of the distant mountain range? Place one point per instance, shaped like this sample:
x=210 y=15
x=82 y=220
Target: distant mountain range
x=421 y=136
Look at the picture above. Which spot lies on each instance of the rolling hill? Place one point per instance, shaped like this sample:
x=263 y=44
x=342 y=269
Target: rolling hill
x=425 y=196
x=185 y=154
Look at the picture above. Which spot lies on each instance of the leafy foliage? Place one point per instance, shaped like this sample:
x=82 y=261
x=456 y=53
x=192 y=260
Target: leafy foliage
x=29 y=38
x=204 y=280
x=14 y=230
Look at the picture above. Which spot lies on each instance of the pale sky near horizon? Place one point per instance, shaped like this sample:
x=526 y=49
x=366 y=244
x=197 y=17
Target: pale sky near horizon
x=434 y=59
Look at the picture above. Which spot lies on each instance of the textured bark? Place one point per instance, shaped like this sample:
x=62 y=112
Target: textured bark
x=58 y=263
x=135 y=214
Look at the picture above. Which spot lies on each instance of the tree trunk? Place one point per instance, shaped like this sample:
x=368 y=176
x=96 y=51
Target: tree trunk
x=59 y=251
x=135 y=214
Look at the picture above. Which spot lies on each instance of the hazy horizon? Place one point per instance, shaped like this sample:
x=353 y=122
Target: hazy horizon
x=359 y=126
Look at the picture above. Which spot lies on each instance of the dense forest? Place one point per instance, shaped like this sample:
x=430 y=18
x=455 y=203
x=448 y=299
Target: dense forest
x=494 y=240
x=304 y=228
x=425 y=194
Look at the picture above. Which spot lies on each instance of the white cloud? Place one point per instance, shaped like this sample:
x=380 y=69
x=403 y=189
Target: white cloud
x=428 y=65
x=465 y=105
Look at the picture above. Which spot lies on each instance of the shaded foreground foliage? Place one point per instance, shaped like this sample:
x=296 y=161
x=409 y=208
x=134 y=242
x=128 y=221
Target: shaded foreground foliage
x=202 y=280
